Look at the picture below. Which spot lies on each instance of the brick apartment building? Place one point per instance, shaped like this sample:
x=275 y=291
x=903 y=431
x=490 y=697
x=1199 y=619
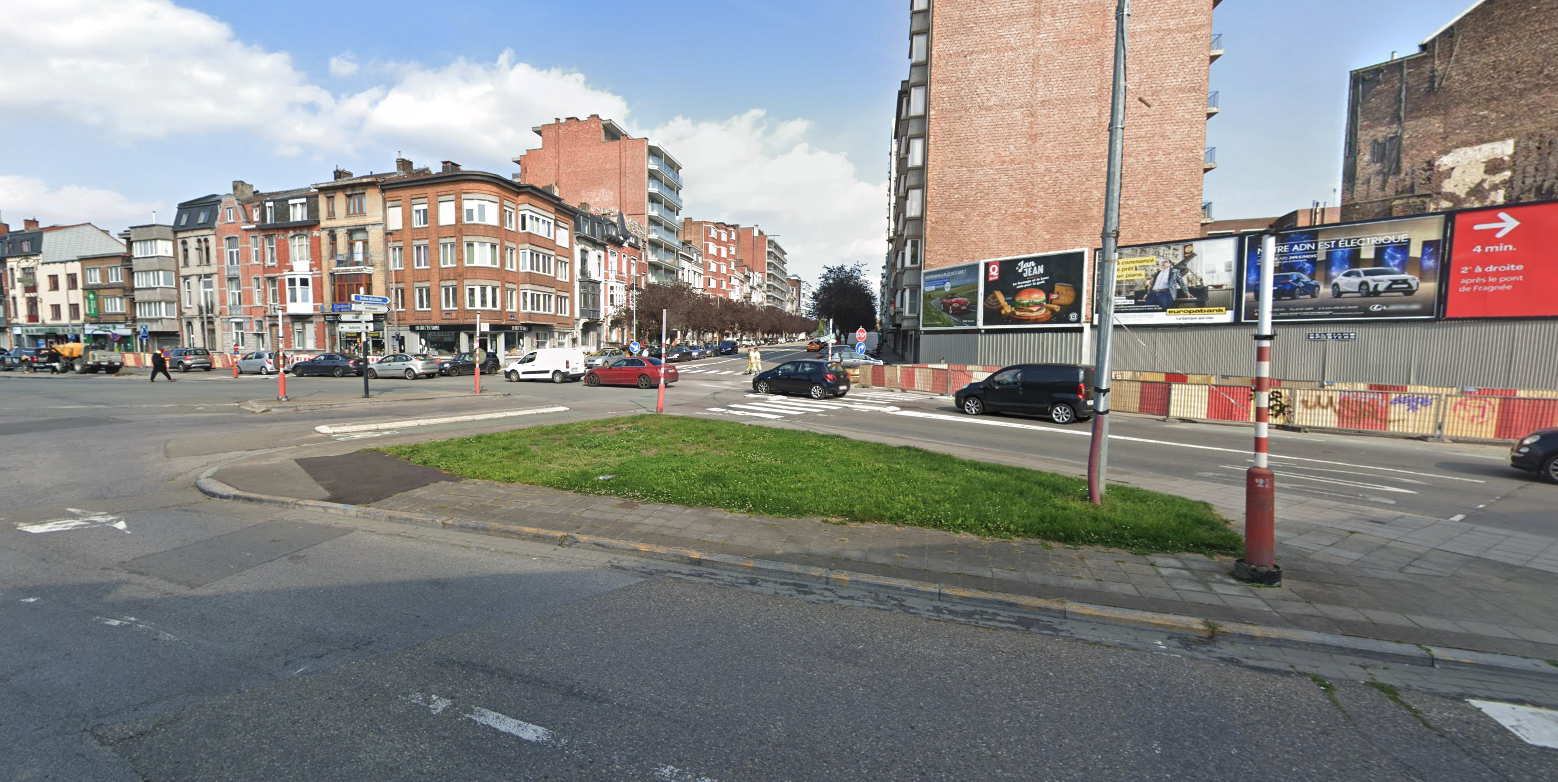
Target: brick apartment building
x=282 y=273
x=595 y=161
x=1469 y=119
x=19 y=254
x=106 y=297
x=1001 y=138
x=478 y=244
x=721 y=265
x=609 y=269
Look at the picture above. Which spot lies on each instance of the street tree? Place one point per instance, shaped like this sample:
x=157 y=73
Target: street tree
x=844 y=295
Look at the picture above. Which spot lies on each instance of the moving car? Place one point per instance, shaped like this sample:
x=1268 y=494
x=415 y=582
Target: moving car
x=953 y=305
x=603 y=357
x=631 y=371
x=405 y=365
x=18 y=358
x=677 y=353
x=554 y=364
x=1291 y=285
x=185 y=359
x=1059 y=391
x=814 y=345
x=816 y=379
x=260 y=362
x=1537 y=452
x=465 y=364
x=332 y=364
x=728 y=347
x=1373 y=282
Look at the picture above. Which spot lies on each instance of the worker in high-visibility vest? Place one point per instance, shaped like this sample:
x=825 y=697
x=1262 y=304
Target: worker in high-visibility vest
x=754 y=361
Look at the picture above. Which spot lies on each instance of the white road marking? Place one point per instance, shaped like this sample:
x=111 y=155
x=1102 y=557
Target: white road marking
x=131 y=622
x=455 y=419
x=84 y=520
x=1087 y=433
x=28 y=600
x=1337 y=481
x=770 y=408
x=1538 y=727
x=362 y=435
x=674 y=774
x=743 y=412
x=1458 y=517
x=520 y=729
x=433 y=703
x=1274 y=463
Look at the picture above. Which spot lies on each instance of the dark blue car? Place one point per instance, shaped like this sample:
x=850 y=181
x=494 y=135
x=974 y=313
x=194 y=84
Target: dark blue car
x=813 y=378
x=1291 y=285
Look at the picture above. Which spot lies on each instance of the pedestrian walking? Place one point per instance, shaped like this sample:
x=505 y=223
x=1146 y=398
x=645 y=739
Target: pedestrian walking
x=159 y=363
x=754 y=361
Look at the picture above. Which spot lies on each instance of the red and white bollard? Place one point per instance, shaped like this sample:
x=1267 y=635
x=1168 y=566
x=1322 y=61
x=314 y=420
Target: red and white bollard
x=1259 y=565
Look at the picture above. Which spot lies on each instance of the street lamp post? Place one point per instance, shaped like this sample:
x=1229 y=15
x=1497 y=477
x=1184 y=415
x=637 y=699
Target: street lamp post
x=1103 y=294
x=1259 y=565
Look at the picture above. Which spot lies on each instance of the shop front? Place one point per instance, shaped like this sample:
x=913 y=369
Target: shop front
x=450 y=338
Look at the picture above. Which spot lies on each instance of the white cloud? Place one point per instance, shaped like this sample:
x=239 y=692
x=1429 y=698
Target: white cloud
x=25 y=198
x=343 y=65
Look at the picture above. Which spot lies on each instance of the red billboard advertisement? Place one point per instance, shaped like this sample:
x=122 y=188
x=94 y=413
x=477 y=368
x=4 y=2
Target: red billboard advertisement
x=1504 y=263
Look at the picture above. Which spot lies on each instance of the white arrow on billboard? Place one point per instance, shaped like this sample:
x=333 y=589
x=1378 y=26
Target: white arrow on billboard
x=83 y=520
x=1506 y=223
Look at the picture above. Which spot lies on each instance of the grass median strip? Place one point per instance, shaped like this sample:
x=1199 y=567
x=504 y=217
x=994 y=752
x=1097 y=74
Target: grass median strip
x=788 y=473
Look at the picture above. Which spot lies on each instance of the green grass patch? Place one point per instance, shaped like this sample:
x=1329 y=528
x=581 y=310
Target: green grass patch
x=788 y=473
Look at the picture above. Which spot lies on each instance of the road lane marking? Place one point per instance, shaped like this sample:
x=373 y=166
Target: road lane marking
x=519 y=729
x=1537 y=727
x=84 y=519
x=348 y=428
x=1335 y=481
x=743 y=412
x=134 y=624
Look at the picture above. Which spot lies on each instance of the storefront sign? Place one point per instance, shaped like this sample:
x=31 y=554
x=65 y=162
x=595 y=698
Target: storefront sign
x=949 y=297
x=91 y=298
x=1177 y=283
x=1034 y=291
x=1504 y=263
x=1386 y=270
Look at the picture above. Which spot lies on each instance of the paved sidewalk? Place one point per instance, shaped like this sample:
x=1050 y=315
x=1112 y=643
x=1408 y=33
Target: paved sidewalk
x=1348 y=570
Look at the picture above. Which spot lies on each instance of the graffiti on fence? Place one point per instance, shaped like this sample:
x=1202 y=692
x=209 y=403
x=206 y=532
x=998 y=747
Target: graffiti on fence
x=1412 y=402
x=1278 y=405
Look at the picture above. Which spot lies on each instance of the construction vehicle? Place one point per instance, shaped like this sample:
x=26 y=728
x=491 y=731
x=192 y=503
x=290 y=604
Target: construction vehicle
x=86 y=361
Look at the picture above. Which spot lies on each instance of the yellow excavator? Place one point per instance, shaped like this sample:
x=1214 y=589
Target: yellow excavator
x=74 y=356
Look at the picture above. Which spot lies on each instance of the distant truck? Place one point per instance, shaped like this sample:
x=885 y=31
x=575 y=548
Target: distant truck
x=85 y=361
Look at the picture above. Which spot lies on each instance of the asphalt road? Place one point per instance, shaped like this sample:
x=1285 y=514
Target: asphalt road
x=150 y=633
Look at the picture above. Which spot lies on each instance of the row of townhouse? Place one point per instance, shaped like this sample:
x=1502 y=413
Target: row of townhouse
x=63 y=283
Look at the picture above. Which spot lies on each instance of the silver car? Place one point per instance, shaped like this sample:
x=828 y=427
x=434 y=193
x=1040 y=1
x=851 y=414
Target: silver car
x=602 y=358
x=408 y=366
x=262 y=362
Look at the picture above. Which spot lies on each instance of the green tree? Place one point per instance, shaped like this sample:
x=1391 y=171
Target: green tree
x=845 y=296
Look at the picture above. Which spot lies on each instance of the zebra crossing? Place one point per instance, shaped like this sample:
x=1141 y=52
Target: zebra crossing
x=780 y=407
x=706 y=371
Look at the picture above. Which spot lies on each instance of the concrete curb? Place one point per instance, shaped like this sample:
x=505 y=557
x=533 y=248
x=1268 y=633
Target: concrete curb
x=453 y=419
x=1210 y=631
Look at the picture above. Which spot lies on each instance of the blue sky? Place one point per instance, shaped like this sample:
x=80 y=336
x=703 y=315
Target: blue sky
x=780 y=111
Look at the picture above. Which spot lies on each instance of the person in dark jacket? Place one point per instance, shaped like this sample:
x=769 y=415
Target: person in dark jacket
x=159 y=363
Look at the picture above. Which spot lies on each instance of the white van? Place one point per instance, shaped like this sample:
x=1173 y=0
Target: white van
x=554 y=364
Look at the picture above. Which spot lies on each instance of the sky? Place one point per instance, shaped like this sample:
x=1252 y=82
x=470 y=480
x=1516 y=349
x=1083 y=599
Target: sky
x=781 y=113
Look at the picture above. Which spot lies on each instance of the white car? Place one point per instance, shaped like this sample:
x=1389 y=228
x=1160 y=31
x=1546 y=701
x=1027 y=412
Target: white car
x=554 y=364
x=1373 y=282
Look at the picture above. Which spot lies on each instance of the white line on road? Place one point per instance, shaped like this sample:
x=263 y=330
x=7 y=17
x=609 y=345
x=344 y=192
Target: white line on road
x=534 y=734
x=743 y=412
x=84 y=519
x=1538 y=727
x=131 y=622
x=1458 y=517
x=1335 y=481
x=345 y=428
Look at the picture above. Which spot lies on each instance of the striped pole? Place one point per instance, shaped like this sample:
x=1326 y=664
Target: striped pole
x=1260 y=487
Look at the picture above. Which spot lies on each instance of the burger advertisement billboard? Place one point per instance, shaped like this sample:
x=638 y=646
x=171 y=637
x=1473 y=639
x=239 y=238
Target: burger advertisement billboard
x=1033 y=291
x=949 y=296
x=1386 y=270
x=1177 y=283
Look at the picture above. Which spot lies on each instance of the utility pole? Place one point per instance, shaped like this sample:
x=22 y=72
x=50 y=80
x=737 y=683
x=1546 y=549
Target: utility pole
x=1103 y=294
x=1259 y=565
x=660 y=400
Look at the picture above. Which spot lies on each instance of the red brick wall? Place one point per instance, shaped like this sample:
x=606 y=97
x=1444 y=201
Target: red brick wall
x=575 y=156
x=1018 y=116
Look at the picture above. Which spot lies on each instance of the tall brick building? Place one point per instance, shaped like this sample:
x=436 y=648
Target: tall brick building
x=1470 y=119
x=1001 y=135
x=595 y=161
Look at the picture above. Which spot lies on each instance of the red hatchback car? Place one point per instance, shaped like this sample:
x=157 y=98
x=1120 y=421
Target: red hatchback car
x=641 y=372
x=956 y=305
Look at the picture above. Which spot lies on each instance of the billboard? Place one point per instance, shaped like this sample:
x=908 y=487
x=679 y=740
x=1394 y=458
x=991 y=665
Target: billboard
x=1178 y=283
x=949 y=296
x=1385 y=270
x=1033 y=291
x=1504 y=263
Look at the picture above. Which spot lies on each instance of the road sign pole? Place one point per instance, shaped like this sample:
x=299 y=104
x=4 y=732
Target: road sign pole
x=362 y=339
x=1103 y=294
x=664 y=352
x=477 y=354
x=1259 y=565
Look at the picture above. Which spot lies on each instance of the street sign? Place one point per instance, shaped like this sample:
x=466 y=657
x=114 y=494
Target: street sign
x=341 y=306
x=145 y=331
x=635 y=346
x=354 y=328
x=860 y=347
x=363 y=298
x=1331 y=336
x=860 y=334
x=368 y=308
x=356 y=316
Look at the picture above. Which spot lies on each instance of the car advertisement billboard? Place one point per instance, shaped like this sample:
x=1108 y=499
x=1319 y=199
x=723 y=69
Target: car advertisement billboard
x=1504 y=263
x=948 y=296
x=1384 y=270
x=1178 y=283
x=1033 y=291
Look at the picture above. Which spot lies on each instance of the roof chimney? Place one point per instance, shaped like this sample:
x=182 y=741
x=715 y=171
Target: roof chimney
x=584 y=206
x=30 y=224
x=553 y=190
x=341 y=173
x=450 y=167
x=242 y=190
x=402 y=165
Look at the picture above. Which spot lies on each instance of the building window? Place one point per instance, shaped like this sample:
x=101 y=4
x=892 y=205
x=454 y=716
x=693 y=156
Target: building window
x=147 y=248
x=510 y=258
x=234 y=298
x=399 y=297
x=449 y=295
x=397 y=257
x=536 y=261
x=419 y=215
x=392 y=216
x=227 y=214
x=508 y=217
x=419 y=258
x=916 y=101
x=563 y=272
x=511 y=299
x=154 y=279
x=446 y=253
x=916 y=152
x=356 y=204
x=70 y=282
x=481 y=297
x=112 y=305
x=270 y=211
x=115 y=274
x=446 y=211
x=344 y=285
x=257 y=290
x=481 y=211
x=917 y=46
x=424 y=296
x=231 y=250
x=54 y=312
x=912 y=305
x=297 y=211
x=481 y=254
x=562 y=304
x=153 y=310
x=270 y=250
x=75 y=312
x=54 y=282
x=299 y=248
x=536 y=224
x=916 y=206
x=94 y=276
x=300 y=290
x=271 y=295
x=329 y=207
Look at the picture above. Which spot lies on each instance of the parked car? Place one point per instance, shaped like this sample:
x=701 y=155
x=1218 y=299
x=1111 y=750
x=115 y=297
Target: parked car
x=554 y=364
x=1373 y=282
x=1059 y=391
x=816 y=379
x=728 y=347
x=405 y=365
x=1537 y=452
x=847 y=358
x=1291 y=285
x=260 y=362
x=603 y=357
x=18 y=358
x=465 y=364
x=632 y=371
x=677 y=353
x=953 y=305
x=697 y=351
x=185 y=359
x=815 y=345
x=332 y=364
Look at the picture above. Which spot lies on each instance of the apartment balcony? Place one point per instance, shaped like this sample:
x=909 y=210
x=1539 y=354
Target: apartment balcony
x=667 y=214
x=589 y=313
x=350 y=263
x=669 y=237
x=1206 y=212
x=660 y=167
x=1217 y=46
x=1209 y=162
x=1213 y=105
x=667 y=192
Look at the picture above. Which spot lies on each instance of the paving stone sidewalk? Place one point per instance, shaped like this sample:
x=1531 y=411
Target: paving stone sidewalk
x=1348 y=570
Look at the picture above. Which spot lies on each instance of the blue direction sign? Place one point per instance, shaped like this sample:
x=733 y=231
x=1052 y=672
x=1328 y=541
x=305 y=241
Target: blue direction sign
x=341 y=306
x=860 y=347
x=635 y=347
x=363 y=298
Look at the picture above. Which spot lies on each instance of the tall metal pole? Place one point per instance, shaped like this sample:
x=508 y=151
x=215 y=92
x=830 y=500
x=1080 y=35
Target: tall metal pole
x=1260 y=486
x=660 y=400
x=1103 y=294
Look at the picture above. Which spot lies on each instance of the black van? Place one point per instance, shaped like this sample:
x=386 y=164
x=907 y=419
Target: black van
x=1061 y=391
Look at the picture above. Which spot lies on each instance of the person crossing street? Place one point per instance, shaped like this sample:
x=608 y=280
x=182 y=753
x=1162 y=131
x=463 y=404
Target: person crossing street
x=159 y=363
x=754 y=361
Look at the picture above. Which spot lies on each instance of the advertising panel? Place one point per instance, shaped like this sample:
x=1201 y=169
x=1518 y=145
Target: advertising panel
x=1386 y=270
x=949 y=296
x=1177 y=283
x=1033 y=291
x=1504 y=263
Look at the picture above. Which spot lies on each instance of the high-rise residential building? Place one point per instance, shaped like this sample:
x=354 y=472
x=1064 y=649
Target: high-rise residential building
x=594 y=160
x=1000 y=139
x=720 y=264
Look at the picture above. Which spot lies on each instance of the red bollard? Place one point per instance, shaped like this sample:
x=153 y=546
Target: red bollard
x=477 y=375
x=1260 y=518
x=281 y=377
